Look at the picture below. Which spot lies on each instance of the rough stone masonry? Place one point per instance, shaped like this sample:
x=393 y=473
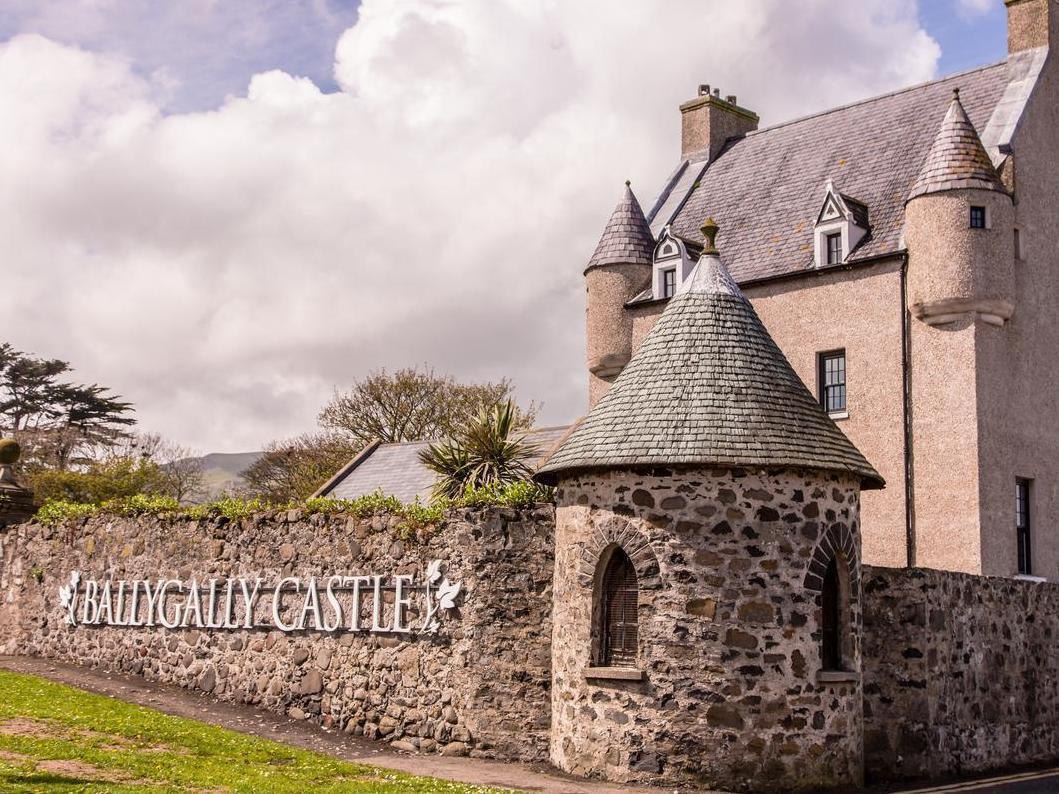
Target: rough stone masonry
x=478 y=685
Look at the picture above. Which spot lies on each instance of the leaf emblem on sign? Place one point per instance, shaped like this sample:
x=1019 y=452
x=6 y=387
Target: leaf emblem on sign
x=67 y=593
x=434 y=571
x=447 y=593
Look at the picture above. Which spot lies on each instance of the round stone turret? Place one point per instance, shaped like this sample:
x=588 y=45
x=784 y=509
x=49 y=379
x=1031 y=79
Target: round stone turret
x=707 y=564
x=960 y=230
x=619 y=269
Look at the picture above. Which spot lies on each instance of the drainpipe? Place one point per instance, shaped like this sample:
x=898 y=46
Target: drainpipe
x=906 y=373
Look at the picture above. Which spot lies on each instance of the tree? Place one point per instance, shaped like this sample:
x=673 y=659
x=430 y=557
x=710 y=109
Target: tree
x=59 y=424
x=297 y=467
x=98 y=481
x=414 y=405
x=488 y=451
x=182 y=472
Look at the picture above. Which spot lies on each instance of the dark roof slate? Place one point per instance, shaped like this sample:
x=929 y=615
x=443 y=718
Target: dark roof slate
x=957 y=159
x=627 y=237
x=765 y=189
x=709 y=386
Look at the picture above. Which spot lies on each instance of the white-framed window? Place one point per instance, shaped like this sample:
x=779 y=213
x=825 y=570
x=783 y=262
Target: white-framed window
x=669 y=282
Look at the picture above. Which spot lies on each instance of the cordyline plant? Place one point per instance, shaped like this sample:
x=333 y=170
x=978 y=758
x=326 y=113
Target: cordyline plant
x=487 y=452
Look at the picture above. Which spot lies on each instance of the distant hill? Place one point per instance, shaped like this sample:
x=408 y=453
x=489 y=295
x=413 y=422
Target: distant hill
x=222 y=470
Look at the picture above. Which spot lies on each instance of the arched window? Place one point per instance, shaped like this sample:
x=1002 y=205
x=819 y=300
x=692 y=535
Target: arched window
x=831 y=618
x=618 y=612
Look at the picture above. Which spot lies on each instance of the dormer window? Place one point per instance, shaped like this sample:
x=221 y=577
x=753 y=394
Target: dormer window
x=840 y=227
x=671 y=266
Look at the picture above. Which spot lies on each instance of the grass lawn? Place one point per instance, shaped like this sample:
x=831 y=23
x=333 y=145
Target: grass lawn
x=54 y=738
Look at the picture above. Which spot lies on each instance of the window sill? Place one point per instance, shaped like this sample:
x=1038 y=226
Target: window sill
x=1025 y=577
x=837 y=677
x=837 y=415
x=614 y=674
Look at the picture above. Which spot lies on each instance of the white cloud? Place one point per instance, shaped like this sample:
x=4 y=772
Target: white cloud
x=225 y=269
x=975 y=8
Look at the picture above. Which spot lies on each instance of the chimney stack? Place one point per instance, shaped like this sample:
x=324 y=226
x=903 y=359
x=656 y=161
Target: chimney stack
x=1031 y=24
x=708 y=121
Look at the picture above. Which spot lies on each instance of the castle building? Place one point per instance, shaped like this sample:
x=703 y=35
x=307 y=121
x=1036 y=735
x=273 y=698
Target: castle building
x=902 y=252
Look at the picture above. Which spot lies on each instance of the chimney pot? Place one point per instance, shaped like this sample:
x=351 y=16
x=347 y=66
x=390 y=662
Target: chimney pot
x=717 y=93
x=704 y=89
x=732 y=99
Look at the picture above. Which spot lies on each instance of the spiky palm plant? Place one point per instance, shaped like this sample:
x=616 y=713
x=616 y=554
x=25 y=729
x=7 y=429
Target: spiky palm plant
x=486 y=452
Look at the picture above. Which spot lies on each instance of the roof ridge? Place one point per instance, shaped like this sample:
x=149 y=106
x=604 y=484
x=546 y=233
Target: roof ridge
x=876 y=98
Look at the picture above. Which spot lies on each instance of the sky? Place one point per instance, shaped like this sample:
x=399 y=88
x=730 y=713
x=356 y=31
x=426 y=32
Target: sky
x=225 y=209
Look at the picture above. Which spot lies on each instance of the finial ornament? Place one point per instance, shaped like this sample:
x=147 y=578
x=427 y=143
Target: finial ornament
x=709 y=231
x=956 y=93
x=628 y=183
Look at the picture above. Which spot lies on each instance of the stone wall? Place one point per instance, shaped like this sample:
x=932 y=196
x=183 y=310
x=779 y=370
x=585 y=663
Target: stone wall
x=961 y=672
x=479 y=685
x=728 y=566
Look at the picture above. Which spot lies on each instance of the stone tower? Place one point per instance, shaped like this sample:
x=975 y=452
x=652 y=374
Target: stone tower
x=707 y=564
x=960 y=235
x=617 y=271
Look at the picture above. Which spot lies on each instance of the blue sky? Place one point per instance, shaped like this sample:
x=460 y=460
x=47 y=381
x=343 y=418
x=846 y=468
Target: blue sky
x=968 y=36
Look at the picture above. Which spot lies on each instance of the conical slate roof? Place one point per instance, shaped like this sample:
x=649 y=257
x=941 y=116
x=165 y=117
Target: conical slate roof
x=627 y=239
x=957 y=159
x=709 y=386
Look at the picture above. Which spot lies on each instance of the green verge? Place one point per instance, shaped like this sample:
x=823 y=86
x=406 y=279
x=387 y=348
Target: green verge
x=55 y=738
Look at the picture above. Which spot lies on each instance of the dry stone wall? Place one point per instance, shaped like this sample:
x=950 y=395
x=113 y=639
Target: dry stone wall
x=961 y=672
x=479 y=685
x=729 y=566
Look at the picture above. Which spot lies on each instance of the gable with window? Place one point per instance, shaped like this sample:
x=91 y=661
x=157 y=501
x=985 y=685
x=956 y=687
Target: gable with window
x=840 y=226
x=672 y=265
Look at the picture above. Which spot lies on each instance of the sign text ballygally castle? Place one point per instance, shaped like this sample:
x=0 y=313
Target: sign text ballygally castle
x=392 y=604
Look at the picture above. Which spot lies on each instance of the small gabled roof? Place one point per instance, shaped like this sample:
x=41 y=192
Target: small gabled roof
x=708 y=386
x=848 y=207
x=395 y=469
x=957 y=159
x=627 y=238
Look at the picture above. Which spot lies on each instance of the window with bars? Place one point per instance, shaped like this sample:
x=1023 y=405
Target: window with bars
x=832 y=379
x=834 y=249
x=1022 y=526
x=669 y=282
x=831 y=619
x=618 y=612
x=977 y=217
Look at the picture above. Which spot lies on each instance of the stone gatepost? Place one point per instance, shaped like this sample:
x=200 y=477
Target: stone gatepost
x=16 y=502
x=706 y=627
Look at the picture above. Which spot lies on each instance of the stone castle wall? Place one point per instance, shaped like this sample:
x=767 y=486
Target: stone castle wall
x=729 y=647
x=961 y=672
x=480 y=685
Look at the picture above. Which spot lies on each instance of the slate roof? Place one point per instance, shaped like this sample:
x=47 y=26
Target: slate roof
x=957 y=159
x=708 y=386
x=765 y=189
x=395 y=470
x=627 y=237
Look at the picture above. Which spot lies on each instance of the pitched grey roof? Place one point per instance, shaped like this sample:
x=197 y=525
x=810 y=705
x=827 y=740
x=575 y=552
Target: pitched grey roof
x=957 y=159
x=395 y=470
x=764 y=189
x=708 y=386
x=627 y=236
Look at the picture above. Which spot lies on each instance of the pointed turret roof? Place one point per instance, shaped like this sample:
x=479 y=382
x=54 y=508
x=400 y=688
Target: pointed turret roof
x=709 y=386
x=957 y=159
x=627 y=238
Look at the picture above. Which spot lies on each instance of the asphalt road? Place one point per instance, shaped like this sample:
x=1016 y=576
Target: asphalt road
x=1041 y=782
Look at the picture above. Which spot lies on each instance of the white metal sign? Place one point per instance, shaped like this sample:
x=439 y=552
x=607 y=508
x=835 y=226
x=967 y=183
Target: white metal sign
x=390 y=604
